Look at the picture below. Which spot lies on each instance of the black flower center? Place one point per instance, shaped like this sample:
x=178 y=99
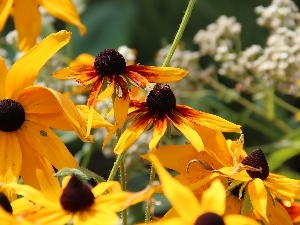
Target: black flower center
x=76 y=196
x=4 y=202
x=257 y=160
x=109 y=62
x=161 y=100
x=209 y=219
x=12 y=115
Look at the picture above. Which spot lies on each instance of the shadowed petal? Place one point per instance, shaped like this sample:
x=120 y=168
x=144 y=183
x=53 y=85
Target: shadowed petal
x=83 y=59
x=27 y=23
x=160 y=127
x=79 y=73
x=132 y=133
x=65 y=11
x=138 y=79
x=3 y=73
x=277 y=214
x=5 y=8
x=24 y=71
x=158 y=74
x=121 y=105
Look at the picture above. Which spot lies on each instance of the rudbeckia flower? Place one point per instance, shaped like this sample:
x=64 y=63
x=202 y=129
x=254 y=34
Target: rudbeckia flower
x=160 y=108
x=27 y=18
x=110 y=75
x=81 y=204
x=27 y=113
x=187 y=210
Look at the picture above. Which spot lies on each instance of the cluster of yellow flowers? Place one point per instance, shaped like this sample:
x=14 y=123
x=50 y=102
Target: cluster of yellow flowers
x=217 y=182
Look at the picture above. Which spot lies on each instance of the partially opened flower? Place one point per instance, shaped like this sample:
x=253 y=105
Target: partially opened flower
x=185 y=206
x=81 y=204
x=27 y=113
x=110 y=76
x=160 y=108
x=27 y=18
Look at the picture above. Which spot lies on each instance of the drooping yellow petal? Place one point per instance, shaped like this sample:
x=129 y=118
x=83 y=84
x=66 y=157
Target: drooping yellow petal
x=23 y=73
x=158 y=74
x=5 y=8
x=121 y=105
x=88 y=218
x=52 y=215
x=10 y=158
x=208 y=120
x=234 y=219
x=38 y=173
x=159 y=129
x=213 y=199
x=43 y=140
x=138 y=79
x=183 y=125
x=108 y=92
x=65 y=11
x=277 y=214
x=3 y=73
x=83 y=59
x=132 y=133
x=27 y=23
x=177 y=194
x=259 y=197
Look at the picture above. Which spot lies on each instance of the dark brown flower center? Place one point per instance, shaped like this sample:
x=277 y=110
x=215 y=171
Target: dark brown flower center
x=4 y=202
x=161 y=100
x=257 y=160
x=12 y=115
x=109 y=62
x=76 y=196
x=209 y=219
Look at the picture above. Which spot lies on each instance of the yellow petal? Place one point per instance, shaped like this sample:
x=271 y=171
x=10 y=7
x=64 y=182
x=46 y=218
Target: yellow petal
x=111 y=186
x=184 y=126
x=259 y=197
x=5 y=8
x=213 y=199
x=208 y=120
x=106 y=93
x=177 y=194
x=10 y=158
x=88 y=218
x=239 y=219
x=159 y=129
x=23 y=73
x=43 y=140
x=83 y=59
x=277 y=214
x=158 y=74
x=53 y=215
x=121 y=105
x=27 y=23
x=132 y=133
x=38 y=173
x=3 y=73
x=65 y=11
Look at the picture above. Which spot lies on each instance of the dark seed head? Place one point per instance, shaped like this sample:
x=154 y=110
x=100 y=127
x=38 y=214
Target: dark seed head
x=161 y=99
x=12 y=115
x=76 y=196
x=209 y=219
x=257 y=160
x=109 y=62
x=4 y=202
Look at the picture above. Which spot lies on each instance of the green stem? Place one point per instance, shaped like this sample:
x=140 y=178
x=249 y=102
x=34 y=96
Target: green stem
x=123 y=185
x=179 y=33
x=270 y=104
x=149 y=203
x=286 y=105
x=247 y=205
x=87 y=156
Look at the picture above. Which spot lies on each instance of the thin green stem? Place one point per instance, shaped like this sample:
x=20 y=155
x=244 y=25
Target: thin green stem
x=286 y=105
x=270 y=104
x=149 y=203
x=179 y=33
x=87 y=156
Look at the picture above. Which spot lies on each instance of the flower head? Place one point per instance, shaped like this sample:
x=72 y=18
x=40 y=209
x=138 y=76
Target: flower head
x=160 y=108
x=110 y=75
x=28 y=22
x=30 y=147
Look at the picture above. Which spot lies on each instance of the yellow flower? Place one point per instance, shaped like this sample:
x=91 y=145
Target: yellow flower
x=160 y=108
x=27 y=18
x=80 y=203
x=27 y=113
x=110 y=75
x=186 y=208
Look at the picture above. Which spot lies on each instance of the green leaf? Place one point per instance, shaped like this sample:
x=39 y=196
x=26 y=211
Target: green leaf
x=81 y=172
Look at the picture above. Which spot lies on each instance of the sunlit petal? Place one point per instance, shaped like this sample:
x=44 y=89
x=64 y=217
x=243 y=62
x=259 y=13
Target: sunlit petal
x=5 y=8
x=259 y=197
x=137 y=79
x=30 y=64
x=112 y=186
x=159 y=129
x=65 y=11
x=132 y=133
x=239 y=219
x=83 y=59
x=27 y=23
x=3 y=73
x=158 y=74
x=76 y=72
x=52 y=216
x=93 y=217
x=121 y=105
